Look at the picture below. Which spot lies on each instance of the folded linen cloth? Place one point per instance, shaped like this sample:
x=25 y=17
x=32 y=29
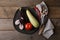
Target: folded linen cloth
x=48 y=31
x=48 y=28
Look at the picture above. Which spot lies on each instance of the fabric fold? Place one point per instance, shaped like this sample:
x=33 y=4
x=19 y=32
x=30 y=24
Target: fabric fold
x=48 y=31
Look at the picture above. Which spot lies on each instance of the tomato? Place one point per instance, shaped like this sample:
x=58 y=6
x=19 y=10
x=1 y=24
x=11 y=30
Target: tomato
x=28 y=26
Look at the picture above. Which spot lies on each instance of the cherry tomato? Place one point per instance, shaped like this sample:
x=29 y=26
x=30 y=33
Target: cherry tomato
x=28 y=26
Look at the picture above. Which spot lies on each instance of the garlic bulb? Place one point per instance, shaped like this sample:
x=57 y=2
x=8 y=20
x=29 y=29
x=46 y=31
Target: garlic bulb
x=17 y=22
x=21 y=27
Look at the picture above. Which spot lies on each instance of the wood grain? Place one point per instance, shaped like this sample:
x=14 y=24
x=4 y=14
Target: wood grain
x=56 y=23
x=7 y=24
x=9 y=12
x=54 y=12
x=14 y=35
x=8 y=9
x=52 y=3
x=20 y=3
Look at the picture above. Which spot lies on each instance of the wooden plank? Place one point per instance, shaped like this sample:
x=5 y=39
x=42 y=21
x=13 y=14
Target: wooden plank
x=56 y=23
x=8 y=12
x=51 y=3
x=7 y=24
x=55 y=36
x=54 y=12
x=20 y=3
x=14 y=35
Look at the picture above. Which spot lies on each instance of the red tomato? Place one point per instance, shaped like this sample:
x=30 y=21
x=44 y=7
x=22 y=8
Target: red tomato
x=28 y=26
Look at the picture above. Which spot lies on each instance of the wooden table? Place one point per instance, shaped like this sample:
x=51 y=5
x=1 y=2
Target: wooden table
x=8 y=9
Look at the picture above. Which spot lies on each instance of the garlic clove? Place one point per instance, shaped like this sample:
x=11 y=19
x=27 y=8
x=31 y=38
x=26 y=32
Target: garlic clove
x=17 y=22
x=21 y=27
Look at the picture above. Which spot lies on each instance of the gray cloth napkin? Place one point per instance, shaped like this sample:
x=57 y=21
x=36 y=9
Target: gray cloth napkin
x=48 y=31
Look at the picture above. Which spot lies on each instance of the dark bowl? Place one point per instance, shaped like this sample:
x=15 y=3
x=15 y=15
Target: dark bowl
x=17 y=16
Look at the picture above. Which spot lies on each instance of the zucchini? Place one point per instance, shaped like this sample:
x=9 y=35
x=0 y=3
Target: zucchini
x=32 y=19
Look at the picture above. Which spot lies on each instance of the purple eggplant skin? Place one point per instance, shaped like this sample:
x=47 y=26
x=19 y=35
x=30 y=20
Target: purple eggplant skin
x=32 y=10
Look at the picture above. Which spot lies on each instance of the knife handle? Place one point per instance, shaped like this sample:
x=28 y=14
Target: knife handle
x=41 y=30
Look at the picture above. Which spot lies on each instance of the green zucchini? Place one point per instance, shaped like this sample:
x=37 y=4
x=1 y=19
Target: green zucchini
x=32 y=19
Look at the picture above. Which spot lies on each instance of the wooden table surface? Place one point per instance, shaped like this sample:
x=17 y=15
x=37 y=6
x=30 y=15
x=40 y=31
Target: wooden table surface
x=8 y=9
